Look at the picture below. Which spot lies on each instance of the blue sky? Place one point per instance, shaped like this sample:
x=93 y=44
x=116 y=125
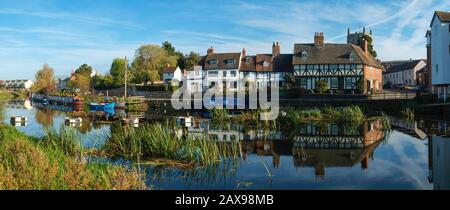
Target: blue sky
x=66 y=34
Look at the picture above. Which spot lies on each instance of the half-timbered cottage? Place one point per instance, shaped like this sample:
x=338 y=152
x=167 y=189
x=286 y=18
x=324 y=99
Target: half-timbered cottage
x=346 y=68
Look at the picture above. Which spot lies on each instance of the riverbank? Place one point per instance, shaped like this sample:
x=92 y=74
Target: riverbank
x=5 y=95
x=57 y=162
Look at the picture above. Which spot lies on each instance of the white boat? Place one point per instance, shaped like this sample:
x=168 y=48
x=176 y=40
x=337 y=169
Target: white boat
x=19 y=119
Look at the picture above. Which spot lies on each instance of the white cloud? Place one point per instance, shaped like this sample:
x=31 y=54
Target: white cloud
x=71 y=17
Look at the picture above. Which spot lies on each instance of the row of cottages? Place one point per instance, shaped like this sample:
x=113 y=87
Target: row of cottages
x=17 y=84
x=405 y=72
x=438 y=54
x=347 y=68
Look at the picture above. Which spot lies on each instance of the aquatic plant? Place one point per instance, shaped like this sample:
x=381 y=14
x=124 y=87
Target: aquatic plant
x=27 y=164
x=219 y=116
x=5 y=95
x=156 y=140
x=408 y=113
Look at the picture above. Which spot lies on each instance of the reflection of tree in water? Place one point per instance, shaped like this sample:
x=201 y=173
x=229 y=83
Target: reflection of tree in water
x=45 y=117
x=201 y=178
x=86 y=126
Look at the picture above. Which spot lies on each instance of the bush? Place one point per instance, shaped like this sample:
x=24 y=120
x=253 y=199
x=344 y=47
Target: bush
x=152 y=88
x=322 y=86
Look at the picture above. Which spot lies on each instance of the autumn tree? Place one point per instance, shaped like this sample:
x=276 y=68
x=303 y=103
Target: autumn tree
x=149 y=62
x=45 y=81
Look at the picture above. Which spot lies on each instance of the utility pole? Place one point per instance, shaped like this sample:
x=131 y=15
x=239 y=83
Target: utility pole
x=126 y=76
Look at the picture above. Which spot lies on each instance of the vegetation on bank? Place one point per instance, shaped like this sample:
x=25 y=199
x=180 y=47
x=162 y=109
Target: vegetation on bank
x=350 y=114
x=56 y=161
x=159 y=141
x=5 y=95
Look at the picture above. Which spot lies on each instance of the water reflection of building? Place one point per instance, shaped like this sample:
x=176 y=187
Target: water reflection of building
x=336 y=146
x=438 y=133
x=439 y=162
x=311 y=145
x=408 y=127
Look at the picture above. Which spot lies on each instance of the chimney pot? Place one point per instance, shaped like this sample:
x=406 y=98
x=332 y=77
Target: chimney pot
x=319 y=39
x=276 y=49
x=210 y=51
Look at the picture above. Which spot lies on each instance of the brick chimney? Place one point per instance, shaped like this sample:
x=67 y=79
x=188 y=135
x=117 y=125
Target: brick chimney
x=275 y=49
x=365 y=45
x=319 y=39
x=210 y=51
x=244 y=53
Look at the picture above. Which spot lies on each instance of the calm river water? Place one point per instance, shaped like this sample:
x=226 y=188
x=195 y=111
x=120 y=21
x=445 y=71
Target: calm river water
x=414 y=155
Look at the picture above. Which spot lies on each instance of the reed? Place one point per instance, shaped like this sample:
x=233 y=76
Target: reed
x=158 y=141
x=28 y=163
x=408 y=113
x=350 y=114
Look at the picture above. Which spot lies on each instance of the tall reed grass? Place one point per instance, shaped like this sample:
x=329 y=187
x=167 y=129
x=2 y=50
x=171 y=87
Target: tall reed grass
x=156 y=140
x=43 y=164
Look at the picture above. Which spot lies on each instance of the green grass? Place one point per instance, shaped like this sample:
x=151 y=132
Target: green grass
x=158 y=141
x=5 y=95
x=45 y=164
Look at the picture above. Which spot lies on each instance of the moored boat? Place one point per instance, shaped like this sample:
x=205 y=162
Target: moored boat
x=101 y=106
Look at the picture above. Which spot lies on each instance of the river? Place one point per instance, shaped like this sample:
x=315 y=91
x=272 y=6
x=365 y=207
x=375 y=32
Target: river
x=414 y=155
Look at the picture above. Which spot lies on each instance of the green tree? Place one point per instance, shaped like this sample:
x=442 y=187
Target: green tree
x=117 y=71
x=149 y=62
x=85 y=70
x=322 y=86
x=370 y=46
x=81 y=82
x=170 y=49
x=82 y=78
x=191 y=60
x=45 y=81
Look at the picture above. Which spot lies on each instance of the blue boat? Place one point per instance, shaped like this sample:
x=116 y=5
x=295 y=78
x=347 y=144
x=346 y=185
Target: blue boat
x=101 y=106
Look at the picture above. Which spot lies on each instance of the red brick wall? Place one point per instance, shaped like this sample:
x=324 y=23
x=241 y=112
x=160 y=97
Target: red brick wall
x=376 y=74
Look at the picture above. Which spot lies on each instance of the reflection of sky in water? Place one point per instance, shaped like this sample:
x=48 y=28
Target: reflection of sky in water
x=402 y=163
x=94 y=138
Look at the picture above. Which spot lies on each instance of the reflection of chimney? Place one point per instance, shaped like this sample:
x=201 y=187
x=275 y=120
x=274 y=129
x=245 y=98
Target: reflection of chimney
x=320 y=171
x=276 y=160
x=275 y=49
x=319 y=39
x=365 y=163
x=210 y=51
x=167 y=65
x=244 y=53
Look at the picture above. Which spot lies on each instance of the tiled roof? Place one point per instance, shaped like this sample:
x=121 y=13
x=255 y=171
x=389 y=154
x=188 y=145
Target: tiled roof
x=407 y=65
x=170 y=69
x=248 y=63
x=443 y=16
x=222 y=59
x=332 y=54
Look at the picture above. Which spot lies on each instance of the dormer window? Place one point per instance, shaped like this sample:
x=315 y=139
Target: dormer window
x=304 y=55
x=248 y=60
x=213 y=62
x=351 y=56
x=266 y=64
x=231 y=62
